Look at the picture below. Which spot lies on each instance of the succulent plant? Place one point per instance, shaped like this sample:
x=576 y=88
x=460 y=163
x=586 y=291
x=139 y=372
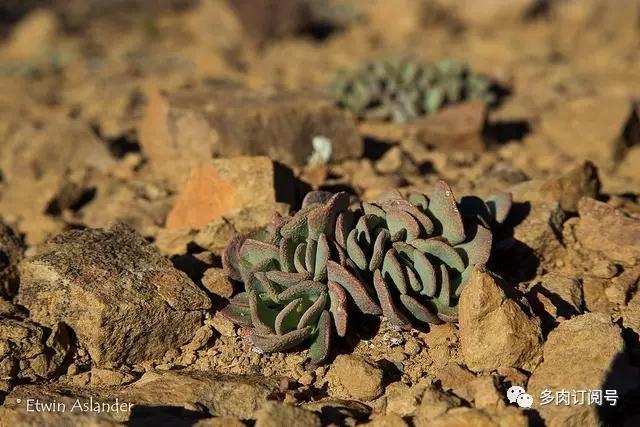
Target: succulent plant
x=402 y=90
x=405 y=258
x=419 y=252
x=295 y=291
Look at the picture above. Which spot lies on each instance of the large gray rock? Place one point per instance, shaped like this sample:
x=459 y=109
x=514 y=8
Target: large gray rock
x=124 y=301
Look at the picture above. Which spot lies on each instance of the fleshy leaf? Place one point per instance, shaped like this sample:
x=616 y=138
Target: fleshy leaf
x=312 y=312
x=386 y=303
x=402 y=225
x=287 y=252
x=355 y=252
x=316 y=197
x=444 y=208
x=283 y=318
x=286 y=279
x=305 y=289
x=310 y=255
x=377 y=255
x=257 y=312
x=321 y=345
x=478 y=249
x=338 y=307
x=419 y=311
x=231 y=256
x=337 y=273
x=441 y=251
x=322 y=256
x=256 y=252
x=299 y=258
x=444 y=297
x=273 y=343
x=500 y=204
x=392 y=271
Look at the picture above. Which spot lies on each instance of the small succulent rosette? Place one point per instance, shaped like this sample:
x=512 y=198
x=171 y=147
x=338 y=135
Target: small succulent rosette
x=418 y=252
x=401 y=91
x=295 y=291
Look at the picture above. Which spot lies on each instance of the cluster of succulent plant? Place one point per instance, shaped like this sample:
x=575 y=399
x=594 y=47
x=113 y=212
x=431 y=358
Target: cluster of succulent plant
x=403 y=90
x=405 y=258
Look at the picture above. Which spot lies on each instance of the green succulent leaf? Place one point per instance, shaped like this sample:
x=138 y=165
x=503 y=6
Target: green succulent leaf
x=337 y=273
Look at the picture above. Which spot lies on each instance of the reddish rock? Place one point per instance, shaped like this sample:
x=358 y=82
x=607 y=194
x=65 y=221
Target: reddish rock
x=609 y=230
x=221 y=187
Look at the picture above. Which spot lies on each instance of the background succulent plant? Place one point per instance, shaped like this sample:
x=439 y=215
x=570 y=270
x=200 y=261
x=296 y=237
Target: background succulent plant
x=402 y=90
x=405 y=258
x=294 y=289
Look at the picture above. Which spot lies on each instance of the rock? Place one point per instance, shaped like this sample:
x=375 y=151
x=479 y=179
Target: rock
x=458 y=127
x=590 y=127
x=29 y=352
x=173 y=242
x=24 y=418
x=494 y=331
x=606 y=229
x=455 y=378
x=11 y=253
x=622 y=286
x=434 y=403
x=269 y=19
x=339 y=411
x=215 y=235
x=224 y=326
x=391 y=160
x=583 y=353
x=107 y=377
x=273 y=414
x=351 y=377
x=472 y=417
x=557 y=295
x=390 y=420
x=566 y=189
x=219 y=395
x=485 y=392
x=220 y=188
x=220 y=422
x=631 y=314
x=595 y=297
x=98 y=280
x=216 y=281
x=200 y=339
x=33 y=37
x=184 y=129
x=490 y=14
x=541 y=229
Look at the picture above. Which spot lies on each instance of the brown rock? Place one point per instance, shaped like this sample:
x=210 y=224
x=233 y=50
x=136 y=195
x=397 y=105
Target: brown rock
x=566 y=189
x=216 y=281
x=471 y=417
x=24 y=418
x=351 y=377
x=455 y=378
x=434 y=403
x=267 y=19
x=485 y=392
x=595 y=297
x=221 y=187
x=173 y=242
x=96 y=281
x=608 y=230
x=11 y=253
x=215 y=235
x=184 y=129
x=29 y=352
x=583 y=353
x=494 y=331
x=541 y=229
x=631 y=314
x=391 y=420
x=557 y=295
x=220 y=422
x=108 y=377
x=220 y=395
x=458 y=127
x=589 y=127
x=273 y=414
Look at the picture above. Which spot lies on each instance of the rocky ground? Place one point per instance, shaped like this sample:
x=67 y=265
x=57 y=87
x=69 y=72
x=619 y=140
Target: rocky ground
x=135 y=140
